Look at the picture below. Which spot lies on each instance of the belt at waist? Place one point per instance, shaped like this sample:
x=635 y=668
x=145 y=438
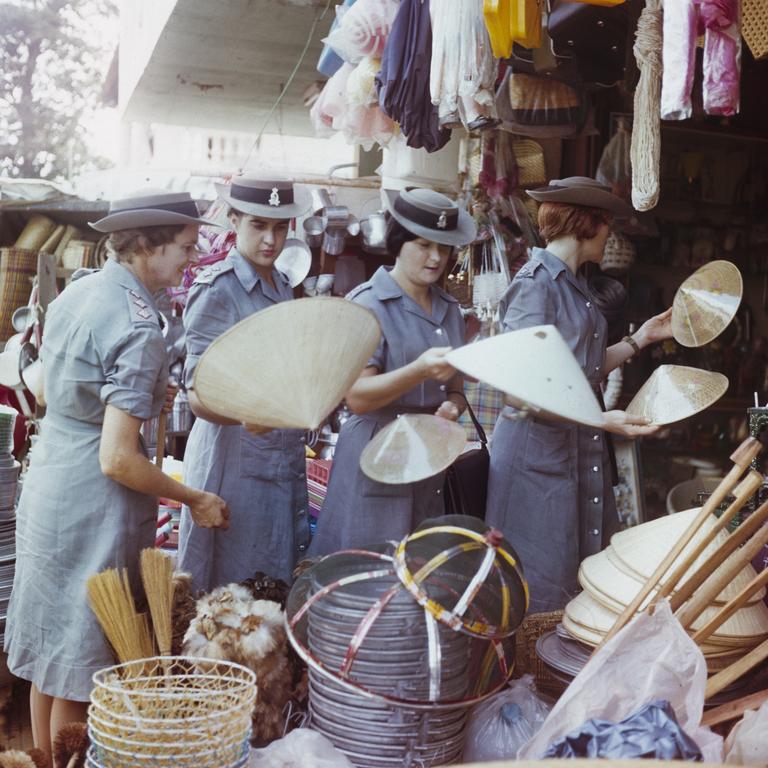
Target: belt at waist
x=393 y=411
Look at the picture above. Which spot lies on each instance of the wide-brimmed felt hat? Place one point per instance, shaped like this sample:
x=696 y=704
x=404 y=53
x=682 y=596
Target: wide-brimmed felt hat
x=581 y=190
x=428 y=214
x=150 y=209
x=266 y=197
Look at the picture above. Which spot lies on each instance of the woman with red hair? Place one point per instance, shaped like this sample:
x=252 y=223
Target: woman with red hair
x=550 y=484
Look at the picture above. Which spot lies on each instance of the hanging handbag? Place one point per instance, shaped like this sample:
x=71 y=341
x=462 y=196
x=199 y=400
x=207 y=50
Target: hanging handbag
x=466 y=480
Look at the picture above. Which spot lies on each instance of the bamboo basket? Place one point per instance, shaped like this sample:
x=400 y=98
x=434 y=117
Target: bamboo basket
x=530 y=163
x=526 y=661
x=754 y=27
x=18 y=267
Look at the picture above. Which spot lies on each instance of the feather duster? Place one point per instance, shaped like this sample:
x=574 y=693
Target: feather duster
x=264 y=587
x=231 y=625
x=182 y=611
x=40 y=758
x=70 y=740
x=15 y=758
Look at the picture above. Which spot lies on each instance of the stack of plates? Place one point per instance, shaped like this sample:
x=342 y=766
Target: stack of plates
x=612 y=578
x=9 y=477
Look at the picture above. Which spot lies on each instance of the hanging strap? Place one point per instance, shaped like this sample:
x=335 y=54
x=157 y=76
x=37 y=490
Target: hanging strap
x=478 y=426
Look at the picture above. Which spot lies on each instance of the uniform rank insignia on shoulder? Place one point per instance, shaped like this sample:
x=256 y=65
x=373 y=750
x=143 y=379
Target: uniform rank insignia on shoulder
x=528 y=269
x=139 y=310
x=209 y=274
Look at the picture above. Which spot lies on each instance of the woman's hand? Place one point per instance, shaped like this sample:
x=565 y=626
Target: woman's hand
x=621 y=423
x=448 y=410
x=656 y=329
x=209 y=511
x=256 y=429
x=433 y=364
x=170 y=396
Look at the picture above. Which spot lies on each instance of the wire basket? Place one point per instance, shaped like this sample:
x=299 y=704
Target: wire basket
x=171 y=711
x=533 y=627
x=618 y=255
x=754 y=27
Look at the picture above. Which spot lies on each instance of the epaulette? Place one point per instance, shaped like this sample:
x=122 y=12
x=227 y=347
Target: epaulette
x=209 y=274
x=355 y=292
x=139 y=310
x=529 y=268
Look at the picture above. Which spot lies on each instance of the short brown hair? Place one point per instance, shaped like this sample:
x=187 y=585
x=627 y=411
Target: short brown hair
x=125 y=242
x=561 y=219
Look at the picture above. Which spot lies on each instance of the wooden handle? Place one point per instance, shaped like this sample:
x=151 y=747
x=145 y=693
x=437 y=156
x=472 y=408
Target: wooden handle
x=723 y=679
x=743 y=493
x=73 y=760
x=734 y=709
x=722 y=577
x=731 y=607
x=160 y=452
x=719 y=556
x=725 y=486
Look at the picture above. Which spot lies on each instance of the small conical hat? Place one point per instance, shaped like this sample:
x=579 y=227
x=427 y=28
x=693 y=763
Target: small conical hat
x=676 y=392
x=412 y=448
x=287 y=366
x=642 y=549
x=536 y=369
x=705 y=303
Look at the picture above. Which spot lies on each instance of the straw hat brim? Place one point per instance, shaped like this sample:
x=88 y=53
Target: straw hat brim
x=590 y=197
x=145 y=217
x=412 y=448
x=302 y=202
x=465 y=231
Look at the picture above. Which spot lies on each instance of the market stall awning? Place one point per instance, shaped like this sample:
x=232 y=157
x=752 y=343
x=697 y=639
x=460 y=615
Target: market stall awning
x=219 y=64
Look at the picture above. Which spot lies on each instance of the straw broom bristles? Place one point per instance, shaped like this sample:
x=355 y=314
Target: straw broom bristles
x=110 y=598
x=157 y=575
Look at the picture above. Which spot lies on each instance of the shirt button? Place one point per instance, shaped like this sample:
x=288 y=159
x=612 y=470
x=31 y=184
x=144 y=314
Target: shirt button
x=595 y=468
x=597 y=368
x=589 y=304
x=596 y=500
x=438 y=491
x=302 y=547
x=595 y=438
x=439 y=331
x=595 y=335
x=442 y=387
x=594 y=531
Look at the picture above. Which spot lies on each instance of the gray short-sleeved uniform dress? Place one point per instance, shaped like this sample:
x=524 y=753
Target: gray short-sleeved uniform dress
x=357 y=510
x=262 y=478
x=550 y=485
x=102 y=346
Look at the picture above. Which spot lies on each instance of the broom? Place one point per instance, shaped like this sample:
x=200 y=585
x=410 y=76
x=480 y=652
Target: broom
x=157 y=575
x=110 y=598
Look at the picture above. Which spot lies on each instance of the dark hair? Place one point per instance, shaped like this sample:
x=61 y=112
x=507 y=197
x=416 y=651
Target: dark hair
x=580 y=221
x=610 y=298
x=125 y=242
x=396 y=236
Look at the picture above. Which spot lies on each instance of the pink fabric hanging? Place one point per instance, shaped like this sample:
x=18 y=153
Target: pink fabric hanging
x=720 y=22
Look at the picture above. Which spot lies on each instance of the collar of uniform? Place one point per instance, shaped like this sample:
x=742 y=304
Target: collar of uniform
x=116 y=272
x=246 y=273
x=385 y=287
x=549 y=261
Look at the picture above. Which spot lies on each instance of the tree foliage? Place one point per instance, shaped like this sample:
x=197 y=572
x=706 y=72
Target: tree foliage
x=52 y=63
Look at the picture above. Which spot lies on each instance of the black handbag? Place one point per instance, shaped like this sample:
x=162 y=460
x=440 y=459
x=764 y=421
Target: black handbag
x=466 y=480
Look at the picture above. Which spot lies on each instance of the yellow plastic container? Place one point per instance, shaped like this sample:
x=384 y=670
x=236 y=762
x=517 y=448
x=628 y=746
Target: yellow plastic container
x=525 y=23
x=497 y=20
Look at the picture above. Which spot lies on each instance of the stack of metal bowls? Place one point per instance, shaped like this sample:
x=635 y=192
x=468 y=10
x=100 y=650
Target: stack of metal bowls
x=9 y=477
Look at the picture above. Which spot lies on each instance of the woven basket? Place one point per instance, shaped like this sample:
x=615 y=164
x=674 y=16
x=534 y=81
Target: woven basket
x=526 y=661
x=18 y=266
x=754 y=26
x=530 y=162
x=619 y=253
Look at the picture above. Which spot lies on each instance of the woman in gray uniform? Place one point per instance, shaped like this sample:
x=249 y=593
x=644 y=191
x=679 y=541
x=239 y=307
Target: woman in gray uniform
x=420 y=323
x=89 y=499
x=550 y=485
x=261 y=473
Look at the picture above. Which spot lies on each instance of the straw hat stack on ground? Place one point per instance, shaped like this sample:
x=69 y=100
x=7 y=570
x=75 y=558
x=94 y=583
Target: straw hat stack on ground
x=613 y=577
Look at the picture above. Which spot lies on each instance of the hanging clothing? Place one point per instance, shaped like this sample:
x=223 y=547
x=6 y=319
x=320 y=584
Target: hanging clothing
x=261 y=477
x=358 y=511
x=403 y=83
x=102 y=346
x=550 y=488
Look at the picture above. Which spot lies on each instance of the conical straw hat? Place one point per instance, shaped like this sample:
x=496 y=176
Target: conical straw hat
x=412 y=448
x=536 y=369
x=705 y=303
x=676 y=392
x=289 y=365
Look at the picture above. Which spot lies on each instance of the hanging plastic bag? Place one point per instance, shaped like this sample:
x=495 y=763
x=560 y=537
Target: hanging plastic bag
x=615 y=167
x=363 y=29
x=679 y=57
x=652 y=732
x=301 y=748
x=722 y=55
x=498 y=727
x=747 y=743
x=651 y=658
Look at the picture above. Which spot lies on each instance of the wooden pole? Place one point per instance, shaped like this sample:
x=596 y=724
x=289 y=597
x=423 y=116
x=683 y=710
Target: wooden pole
x=723 y=679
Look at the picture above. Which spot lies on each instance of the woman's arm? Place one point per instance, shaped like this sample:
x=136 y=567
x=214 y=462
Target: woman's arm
x=122 y=461
x=375 y=390
x=656 y=329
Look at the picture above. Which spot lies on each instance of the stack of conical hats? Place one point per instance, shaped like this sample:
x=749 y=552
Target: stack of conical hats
x=613 y=577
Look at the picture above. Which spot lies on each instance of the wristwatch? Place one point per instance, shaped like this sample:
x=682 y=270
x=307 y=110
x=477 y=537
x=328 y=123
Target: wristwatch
x=632 y=343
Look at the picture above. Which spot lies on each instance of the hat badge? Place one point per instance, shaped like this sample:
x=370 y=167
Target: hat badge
x=442 y=221
x=274 y=198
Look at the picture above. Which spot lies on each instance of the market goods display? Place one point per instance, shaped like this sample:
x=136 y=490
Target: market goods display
x=298 y=360
x=677 y=392
x=411 y=448
x=706 y=303
x=9 y=475
x=171 y=711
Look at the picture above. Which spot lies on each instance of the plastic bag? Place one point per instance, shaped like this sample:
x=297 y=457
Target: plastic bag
x=679 y=55
x=615 y=167
x=362 y=30
x=722 y=56
x=301 y=748
x=747 y=743
x=651 y=658
x=651 y=732
x=498 y=727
